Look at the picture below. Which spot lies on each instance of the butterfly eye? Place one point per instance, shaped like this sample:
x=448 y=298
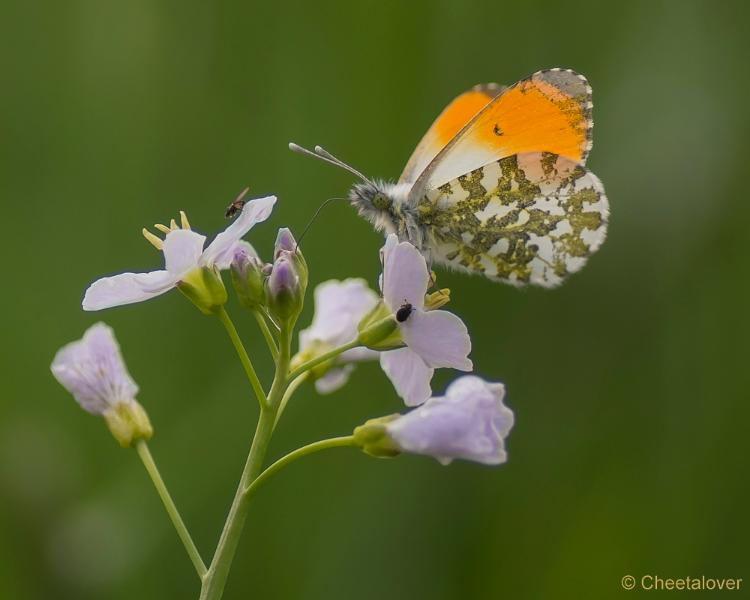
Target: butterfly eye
x=381 y=201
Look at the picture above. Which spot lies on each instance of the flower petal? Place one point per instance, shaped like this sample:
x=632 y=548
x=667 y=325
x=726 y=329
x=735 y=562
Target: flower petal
x=359 y=355
x=126 y=288
x=92 y=369
x=339 y=307
x=491 y=395
x=333 y=380
x=219 y=252
x=409 y=374
x=405 y=274
x=469 y=422
x=439 y=337
x=182 y=250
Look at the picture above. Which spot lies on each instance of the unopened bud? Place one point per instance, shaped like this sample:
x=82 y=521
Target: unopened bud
x=285 y=293
x=248 y=277
x=284 y=242
x=286 y=245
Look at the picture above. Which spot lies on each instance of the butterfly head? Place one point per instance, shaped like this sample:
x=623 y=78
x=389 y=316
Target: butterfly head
x=380 y=203
x=371 y=196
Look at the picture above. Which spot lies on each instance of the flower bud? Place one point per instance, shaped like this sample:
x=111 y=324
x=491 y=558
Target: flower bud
x=378 y=330
x=128 y=423
x=284 y=289
x=284 y=242
x=204 y=288
x=248 y=277
x=373 y=438
x=287 y=245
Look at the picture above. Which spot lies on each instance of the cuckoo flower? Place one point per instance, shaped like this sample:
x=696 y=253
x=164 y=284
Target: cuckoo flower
x=93 y=371
x=470 y=422
x=186 y=261
x=339 y=307
x=433 y=338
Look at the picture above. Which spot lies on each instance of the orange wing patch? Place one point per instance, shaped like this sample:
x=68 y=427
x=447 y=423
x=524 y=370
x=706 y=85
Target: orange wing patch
x=536 y=116
x=453 y=119
x=547 y=112
x=458 y=113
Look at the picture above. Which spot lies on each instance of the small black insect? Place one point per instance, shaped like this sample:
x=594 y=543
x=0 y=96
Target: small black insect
x=236 y=207
x=403 y=313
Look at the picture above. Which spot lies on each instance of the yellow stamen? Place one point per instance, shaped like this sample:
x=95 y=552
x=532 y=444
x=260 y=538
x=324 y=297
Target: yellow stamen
x=162 y=228
x=173 y=225
x=437 y=299
x=156 y=242
x=184 y=220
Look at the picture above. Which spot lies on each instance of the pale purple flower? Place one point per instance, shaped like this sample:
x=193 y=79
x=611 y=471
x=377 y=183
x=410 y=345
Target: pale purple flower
x=433 y=339
x=470 y=422
x=339 y=307
x=92 y=369
x=183 y=254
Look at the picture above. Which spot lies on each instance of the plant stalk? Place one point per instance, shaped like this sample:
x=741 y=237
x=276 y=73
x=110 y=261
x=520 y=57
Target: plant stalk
x=216 y=577
x=148 y=461
x=244 y=358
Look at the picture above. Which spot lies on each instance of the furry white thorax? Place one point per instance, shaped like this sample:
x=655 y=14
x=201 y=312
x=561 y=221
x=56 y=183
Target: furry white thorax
x=386 y=205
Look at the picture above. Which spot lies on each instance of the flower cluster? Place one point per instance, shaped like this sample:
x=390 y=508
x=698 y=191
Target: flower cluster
x=404 y=327
x=187 y=265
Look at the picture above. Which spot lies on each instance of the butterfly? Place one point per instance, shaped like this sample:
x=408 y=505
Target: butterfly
x=498 y=184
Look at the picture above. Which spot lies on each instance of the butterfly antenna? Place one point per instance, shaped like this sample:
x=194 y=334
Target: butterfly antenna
x=320 y=151
x=326 y=156
x=312 y=220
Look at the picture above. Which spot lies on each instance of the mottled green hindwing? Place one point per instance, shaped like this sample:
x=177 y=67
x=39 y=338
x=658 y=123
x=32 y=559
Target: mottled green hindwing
x=530 y=218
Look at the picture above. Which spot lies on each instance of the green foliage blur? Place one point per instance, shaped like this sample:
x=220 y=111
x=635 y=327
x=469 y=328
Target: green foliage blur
x=630 y=382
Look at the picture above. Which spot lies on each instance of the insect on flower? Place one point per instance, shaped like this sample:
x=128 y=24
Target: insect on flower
x=237 y=205
x=403 y=313
x=498 y=185
x=186 y=262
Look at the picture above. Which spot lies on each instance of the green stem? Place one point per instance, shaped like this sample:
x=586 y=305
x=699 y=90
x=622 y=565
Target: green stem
x=216 y=577
x=244 y=358
x=323 y=358
x=182 y=531
x=289 y=392
x=263 y=324
x=336 y=442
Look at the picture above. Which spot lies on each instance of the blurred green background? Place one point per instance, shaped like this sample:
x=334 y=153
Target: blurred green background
x=630 y=383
